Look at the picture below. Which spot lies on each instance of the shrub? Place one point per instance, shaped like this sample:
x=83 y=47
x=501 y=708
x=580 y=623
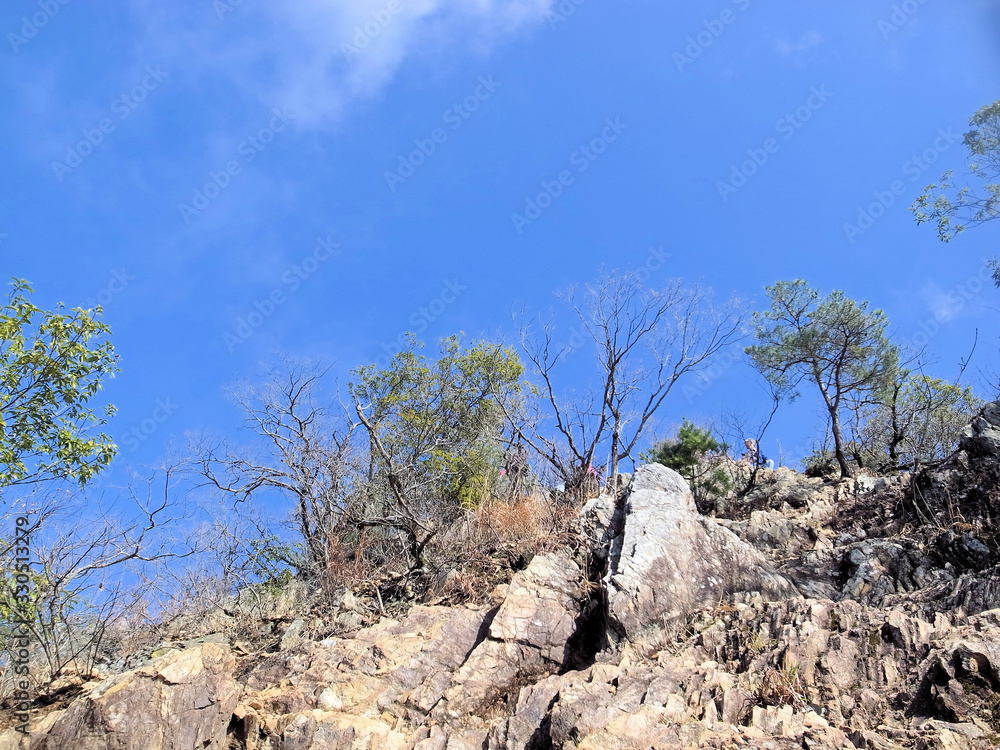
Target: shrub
x=697 y=456
x=820 y=463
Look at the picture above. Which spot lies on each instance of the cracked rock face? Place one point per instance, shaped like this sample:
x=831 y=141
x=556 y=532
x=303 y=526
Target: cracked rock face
x=528 y=636
x=981 y=439
x=182 y=700
x=670 y=560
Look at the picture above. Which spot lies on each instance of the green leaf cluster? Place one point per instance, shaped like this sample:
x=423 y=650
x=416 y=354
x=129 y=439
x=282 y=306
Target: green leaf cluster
x=834 y=342
x=837 y=343
x=920 y=422
x=953 y=207
x=52 y=367
x=696 y=455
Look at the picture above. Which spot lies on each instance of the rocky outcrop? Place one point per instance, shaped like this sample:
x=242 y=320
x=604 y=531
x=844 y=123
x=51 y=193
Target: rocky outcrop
x=185 y=699
x=669 y=560
x=528 y=637
x=800 y=673
x=981 y=439
x=821 y=616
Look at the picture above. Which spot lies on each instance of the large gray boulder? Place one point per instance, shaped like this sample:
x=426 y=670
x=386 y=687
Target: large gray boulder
x=669 y=560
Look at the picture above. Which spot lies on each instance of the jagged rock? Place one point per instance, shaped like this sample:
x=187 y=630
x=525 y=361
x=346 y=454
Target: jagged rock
x=527 y=638
x=597 y=519
x=541 y=607
x=183 y=700
x=981 y=439
x=897 y=645
x=431 y=670
x=293 y=635
x=670 y=561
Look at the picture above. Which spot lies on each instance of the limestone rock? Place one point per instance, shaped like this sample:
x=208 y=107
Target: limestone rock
x=528 y=637
x=897 y=645
x=670 y=561
x=541 y=607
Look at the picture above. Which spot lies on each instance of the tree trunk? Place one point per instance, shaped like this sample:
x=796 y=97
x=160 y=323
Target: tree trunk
x=613 y=473
x=838 y=444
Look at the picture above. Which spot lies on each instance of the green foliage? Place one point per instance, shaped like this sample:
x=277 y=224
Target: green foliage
x=440 y=422
x=953 y=208
x=834 y=342
x=20 y=592
x=696 y=455
x=52 y=365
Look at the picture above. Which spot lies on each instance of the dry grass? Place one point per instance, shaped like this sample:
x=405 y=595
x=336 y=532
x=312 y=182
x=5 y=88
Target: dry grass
x=521 y=520
x=493 y=541
x=347 y=567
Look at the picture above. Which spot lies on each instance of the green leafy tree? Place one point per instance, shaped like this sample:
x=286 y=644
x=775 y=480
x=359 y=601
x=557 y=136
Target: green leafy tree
x=52 y=366
x=435 y=430
x=833 y=342
x=696 y=455
x=953 y=208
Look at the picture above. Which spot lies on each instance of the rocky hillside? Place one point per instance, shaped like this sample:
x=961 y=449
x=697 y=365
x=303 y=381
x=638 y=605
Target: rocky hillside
x=810 y=613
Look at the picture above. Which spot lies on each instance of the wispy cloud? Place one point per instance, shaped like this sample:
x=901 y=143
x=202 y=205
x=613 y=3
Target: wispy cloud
x=317 y=56
x=942 y=304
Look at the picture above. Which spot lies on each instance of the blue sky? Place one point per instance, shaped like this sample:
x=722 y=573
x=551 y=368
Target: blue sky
x=352 y=170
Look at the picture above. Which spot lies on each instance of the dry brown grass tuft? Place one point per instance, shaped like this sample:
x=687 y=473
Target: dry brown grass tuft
x=520 y=520
x=344 y=566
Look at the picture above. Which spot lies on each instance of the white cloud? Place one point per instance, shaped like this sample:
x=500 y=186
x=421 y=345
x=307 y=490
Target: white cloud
x=316 y=56
x=942 y=304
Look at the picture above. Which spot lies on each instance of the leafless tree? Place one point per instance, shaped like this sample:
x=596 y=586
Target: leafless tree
x=86 y=562
x=304 y=451
x=410 y=510
x=646 y=340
